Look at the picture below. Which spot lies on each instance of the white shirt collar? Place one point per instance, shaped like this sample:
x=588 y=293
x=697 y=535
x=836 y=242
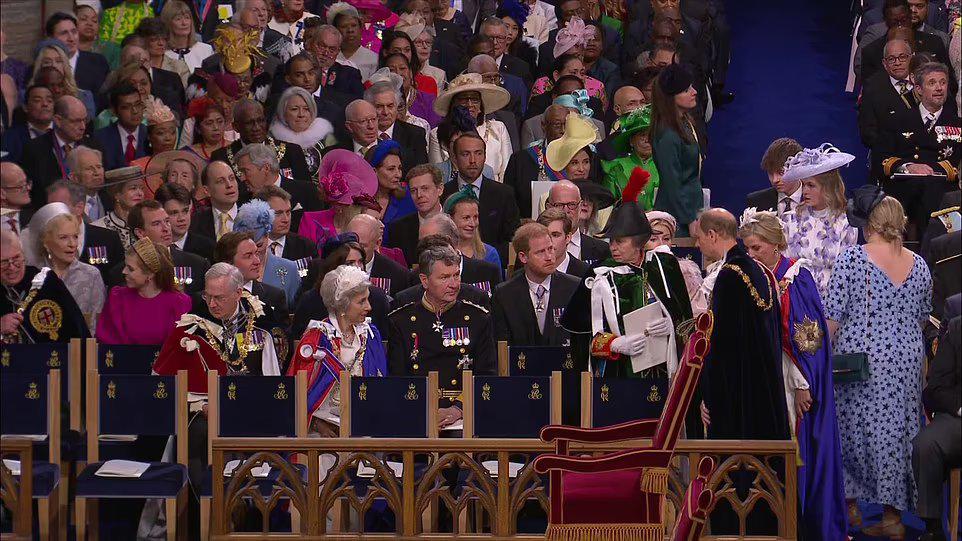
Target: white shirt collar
x=498 y=60
x=574 y=245
x=361 y=149
x=249 y=286
x=60 y=141
x=895 y=83
x=73 y=61
x=926 y=113
x=369 y=265
x=477 y=182
x=277 y=181
x=180 y=242
x=533 y=286
x=232 y=212
x=389 y=131
x=281 y=243
x=563 y=266
x=123 y=135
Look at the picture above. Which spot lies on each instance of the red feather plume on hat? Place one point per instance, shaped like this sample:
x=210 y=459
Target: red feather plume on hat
x=636 y=184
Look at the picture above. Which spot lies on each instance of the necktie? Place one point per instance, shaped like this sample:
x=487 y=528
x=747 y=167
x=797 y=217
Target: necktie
x=903 y=87
x=131 y=150
x=12 y=222
x=383 y=136
x=929 y=122
x=540 y=307
x=275 y=247
x=66 y=149
x=224 y=217
x=787 y=204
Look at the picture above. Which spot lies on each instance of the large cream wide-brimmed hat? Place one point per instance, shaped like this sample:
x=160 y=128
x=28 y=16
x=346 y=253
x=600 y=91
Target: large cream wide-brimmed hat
x=492 y=96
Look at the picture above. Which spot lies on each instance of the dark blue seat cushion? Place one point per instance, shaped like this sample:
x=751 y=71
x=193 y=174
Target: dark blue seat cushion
x=266 y=485
x=161 y=480
x=46 y=476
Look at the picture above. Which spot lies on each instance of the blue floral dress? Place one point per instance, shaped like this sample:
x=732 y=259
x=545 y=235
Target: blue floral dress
x=818 y=236
x=878 y=419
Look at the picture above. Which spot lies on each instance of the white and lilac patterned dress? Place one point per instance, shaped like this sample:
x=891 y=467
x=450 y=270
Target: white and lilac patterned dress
x=819 y=236
x=878 y=418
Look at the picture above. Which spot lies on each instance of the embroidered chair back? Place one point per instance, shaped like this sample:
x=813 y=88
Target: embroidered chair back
x=257 y=407
x=122 y=358
x=510 y=407
x=30 y=406
x=538 y=360
x=388 y=407
x=615 y=401
x=143 y=405
x=41 y=359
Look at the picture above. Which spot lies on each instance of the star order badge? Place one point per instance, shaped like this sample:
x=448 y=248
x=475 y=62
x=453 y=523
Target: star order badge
x=808 y=336
x=46 y=316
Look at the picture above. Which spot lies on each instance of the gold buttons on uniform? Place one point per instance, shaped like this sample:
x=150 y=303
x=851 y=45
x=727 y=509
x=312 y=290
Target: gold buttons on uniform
x=462 y=350
x=454 y=382
x=916 y=156
x=413 y=318
x=415 y=366
x=467 y=318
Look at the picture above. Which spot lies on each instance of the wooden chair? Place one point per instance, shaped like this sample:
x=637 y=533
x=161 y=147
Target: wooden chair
x=510 y=407
x=609 y=401
x=22 y=358
x=252 y=407
x=122 y=359
x=698 y=502
x=391 y=407
x=16 y=489
x=621 y=495
x=954 y=503
x=30 y=407
x=123 y=404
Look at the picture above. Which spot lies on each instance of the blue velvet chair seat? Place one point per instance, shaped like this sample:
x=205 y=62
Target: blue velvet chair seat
x=266 y=484
x=161 y=480
x=46 y=476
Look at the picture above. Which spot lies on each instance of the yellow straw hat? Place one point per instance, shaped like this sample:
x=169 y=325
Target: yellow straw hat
x=579 y=133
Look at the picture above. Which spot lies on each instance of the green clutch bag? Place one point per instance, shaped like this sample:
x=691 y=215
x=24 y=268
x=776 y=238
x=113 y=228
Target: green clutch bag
x=849 y=367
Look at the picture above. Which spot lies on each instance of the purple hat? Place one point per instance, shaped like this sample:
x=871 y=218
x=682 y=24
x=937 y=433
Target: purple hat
x=347 y=179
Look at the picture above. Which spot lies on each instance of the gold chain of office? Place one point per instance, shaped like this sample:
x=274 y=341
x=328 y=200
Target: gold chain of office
x=764 y=306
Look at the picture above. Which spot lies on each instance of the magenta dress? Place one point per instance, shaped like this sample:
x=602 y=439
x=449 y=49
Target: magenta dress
x=318 y=226
x=128 y=318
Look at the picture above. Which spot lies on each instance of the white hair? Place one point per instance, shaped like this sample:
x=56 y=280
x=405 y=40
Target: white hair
x=73 y=159
x=341 y=285
x=382 y=87
x=286 y=97
x=260 y=155
x=225 y=270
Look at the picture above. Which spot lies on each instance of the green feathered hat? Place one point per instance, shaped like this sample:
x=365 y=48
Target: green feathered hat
x=629 y=124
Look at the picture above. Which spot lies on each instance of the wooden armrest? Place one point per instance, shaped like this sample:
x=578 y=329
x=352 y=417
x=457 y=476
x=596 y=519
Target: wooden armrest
x=630 y=430
x=622 y=460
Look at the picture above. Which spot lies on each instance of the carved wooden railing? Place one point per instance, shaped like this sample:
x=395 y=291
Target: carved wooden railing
x=16 y=493
x=329 y=502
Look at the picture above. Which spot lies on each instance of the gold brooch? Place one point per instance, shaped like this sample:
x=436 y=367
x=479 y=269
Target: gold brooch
x=808 y=336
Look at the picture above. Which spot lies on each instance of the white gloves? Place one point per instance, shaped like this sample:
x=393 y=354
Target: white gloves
x=661 y=327
x=630 y=344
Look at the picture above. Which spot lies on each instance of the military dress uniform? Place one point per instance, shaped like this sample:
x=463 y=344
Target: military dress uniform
x=447 y=341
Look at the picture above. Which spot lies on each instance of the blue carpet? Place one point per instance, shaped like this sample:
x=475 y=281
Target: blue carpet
x=788 y=70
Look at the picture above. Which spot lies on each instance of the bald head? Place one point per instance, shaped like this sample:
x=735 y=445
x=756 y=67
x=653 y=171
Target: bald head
x=70 y=118
x=15 y=192
x=369 y=231
x=627 y=99
x=357 y=110
x=482 y=63
x=361 y=121
x=566 y=196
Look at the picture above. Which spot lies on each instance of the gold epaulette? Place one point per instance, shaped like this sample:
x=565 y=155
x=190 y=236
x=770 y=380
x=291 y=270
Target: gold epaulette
x=402 y=307
x=938 y=213
x=478 y=306
x=950 y=171
x=888 y=164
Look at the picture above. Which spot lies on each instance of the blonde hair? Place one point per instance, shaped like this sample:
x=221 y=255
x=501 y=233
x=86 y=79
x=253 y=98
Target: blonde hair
x=48 y=228
x=476 y=242
x=69 y=82
x=833 y=189
x=887 y=220
x=766 y=226
x=171 y=10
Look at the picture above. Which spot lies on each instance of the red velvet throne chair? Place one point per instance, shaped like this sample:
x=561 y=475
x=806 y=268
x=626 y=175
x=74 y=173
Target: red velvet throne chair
x=698 y=502
x=620 y=496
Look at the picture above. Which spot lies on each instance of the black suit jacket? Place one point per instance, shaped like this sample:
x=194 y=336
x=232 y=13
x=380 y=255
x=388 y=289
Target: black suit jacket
x=403 y=233
x=476 y=271
x=101 y=238
x=91 y=71
x=413 y=150
x=929 y=43
x=517 y=67
x=293 y=159
x=273 y=297
x=593 y=250
x=521 y=171
x=345 y=80
x=202 y=223
x=201 y=245
x=880 y=108
x=311 y=306
x=936 y=227
x=168 y=88
x=398 y=278
x=297 y=247
x=514 y=315
x=577 y=267
x=766 y=199
x=198 y=267
x=912 y=143
x=943 y=390
x=115 y=150
x=498 y=214
x=40 y=163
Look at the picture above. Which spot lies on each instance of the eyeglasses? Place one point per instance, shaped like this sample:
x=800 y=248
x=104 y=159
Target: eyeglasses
x=424 y=42
x=465 y=100
x=900 y=58
x=572 y=205
x=215 y=299
x=15 y=261
x=19 y=187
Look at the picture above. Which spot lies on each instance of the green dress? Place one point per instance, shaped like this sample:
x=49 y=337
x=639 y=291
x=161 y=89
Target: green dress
x=617 y=173
x=121 y=21
x=679 y=163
